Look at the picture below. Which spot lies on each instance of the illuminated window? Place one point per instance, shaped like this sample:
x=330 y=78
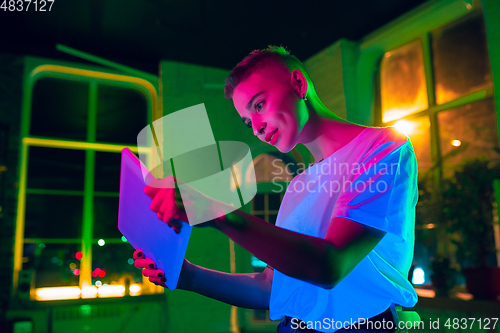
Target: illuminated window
x=445 y=105
x=79 y=123
x=460 y=59
x=468 y=132
x=403 y=88
x=419 y=132
x=460 y=66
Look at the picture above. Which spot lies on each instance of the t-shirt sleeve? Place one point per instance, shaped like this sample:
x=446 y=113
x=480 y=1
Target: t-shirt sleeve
x=381 y=191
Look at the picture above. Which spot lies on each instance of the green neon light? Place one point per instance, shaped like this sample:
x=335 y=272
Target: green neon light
x=108 y=63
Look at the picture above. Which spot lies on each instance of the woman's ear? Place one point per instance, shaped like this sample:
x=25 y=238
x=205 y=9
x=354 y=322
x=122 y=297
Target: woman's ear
x=299 y=82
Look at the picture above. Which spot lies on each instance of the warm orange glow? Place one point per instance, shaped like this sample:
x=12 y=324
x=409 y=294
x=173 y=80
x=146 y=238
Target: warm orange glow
x=456 y=143
x=58 y=293
x=464 y=296
x=402 y=82
x=429 y=293
x=62 y=293
x=135 y=289
x=236 y=171
x=89 y=292
x=444 y=95
x=425 y=293
x=405 y=126
x=114 y=290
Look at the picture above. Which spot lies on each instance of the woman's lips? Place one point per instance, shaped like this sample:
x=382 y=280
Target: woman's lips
x=268 y=136
x=274 y=138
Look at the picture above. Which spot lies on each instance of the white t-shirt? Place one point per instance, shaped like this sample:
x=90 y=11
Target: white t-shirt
x=371 y=180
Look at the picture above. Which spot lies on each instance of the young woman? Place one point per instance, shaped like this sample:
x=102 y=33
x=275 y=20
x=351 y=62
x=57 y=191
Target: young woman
x=343 y=242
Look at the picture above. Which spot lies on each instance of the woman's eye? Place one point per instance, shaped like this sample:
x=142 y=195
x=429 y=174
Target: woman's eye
x=259 y=106
x=249 y=124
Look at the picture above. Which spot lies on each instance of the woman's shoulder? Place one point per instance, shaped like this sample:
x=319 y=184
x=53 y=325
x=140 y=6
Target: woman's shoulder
x=380 y=142
x=386 y=136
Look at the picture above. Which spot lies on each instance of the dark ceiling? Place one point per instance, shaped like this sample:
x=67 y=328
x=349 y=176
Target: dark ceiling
x=217 y=33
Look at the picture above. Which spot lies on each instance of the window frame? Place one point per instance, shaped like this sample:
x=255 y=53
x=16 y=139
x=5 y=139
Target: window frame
x=452 y=13
x=36 y=69
x=433 y=108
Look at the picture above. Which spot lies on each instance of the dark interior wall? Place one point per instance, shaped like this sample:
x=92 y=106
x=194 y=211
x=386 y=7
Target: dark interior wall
x=11 y=69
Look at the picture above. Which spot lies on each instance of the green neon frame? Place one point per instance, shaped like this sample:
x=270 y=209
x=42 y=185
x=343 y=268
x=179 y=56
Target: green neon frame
x=33 y=73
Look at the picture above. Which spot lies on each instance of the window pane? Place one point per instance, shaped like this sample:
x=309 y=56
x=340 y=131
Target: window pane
x=419 y=131
x=460 y=59
x=121 y=114
x=258 y=202
x=56 y=169
x=468 y=132
x=272 y=218
x=53 y=216
x=59 y=109
x=403 y=87
x=274 y=201
x=117 y=263
x=106 y=217
x=107 y=172
x=54 y=264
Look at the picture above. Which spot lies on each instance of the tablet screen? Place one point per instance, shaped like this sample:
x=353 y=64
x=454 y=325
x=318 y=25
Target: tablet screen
x=141 y=226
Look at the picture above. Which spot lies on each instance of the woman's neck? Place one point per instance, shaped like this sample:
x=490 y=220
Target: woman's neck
x=325 y=132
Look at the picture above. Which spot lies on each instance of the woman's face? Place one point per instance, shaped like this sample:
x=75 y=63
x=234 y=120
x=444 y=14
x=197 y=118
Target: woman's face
x=268 y=102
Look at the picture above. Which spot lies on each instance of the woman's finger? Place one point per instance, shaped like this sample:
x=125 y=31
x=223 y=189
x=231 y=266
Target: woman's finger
x=158 y=200
x=153 y=272
x=176 y=224
x=144 y=263
x=158 y=281
x=151 y=191
x=138 y=254
x=166 y=208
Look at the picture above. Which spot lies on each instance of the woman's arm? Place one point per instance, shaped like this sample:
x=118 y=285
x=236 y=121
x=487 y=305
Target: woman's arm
x=250 y=290
x=321 y=261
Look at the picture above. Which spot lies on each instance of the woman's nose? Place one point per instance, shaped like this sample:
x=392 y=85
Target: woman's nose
x=259 y=129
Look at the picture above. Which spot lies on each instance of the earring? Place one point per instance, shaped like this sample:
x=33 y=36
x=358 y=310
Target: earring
x=304 y=97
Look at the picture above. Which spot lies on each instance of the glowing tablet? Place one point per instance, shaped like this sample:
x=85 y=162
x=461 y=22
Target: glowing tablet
x=141 y=226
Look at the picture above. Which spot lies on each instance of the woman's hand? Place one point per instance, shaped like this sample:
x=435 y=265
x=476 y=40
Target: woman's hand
x=155 y=275
x=171 y=207
x=167 y=202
